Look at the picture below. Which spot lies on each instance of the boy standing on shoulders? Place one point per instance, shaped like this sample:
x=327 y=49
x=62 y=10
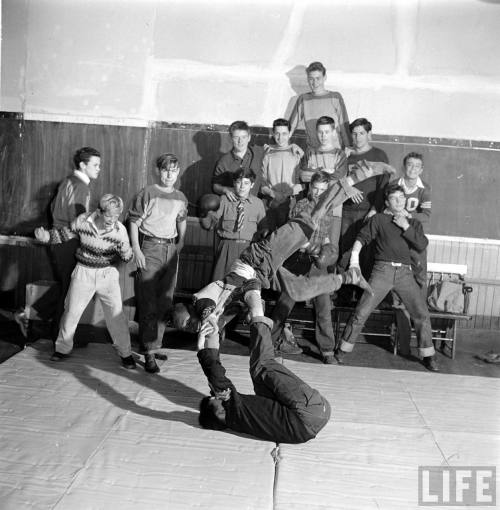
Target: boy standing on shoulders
x=237 y=222
x=157 y=223
x=280 y=174
x=103 y=243
x=395 y=235
x=312 y=105
x=72 y=199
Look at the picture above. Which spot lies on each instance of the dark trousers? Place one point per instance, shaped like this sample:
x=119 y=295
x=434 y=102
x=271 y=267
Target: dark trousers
x=273 y=380
x=301 y=264
x=63 y=263
x=155 y=288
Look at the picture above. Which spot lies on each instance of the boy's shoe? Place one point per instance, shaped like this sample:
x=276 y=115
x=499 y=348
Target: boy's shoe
x=59 y=356
x=150 y=364
x=329 y=359
x=129 y=362
x=430 y=363
x=340 y=356
x=288 y=343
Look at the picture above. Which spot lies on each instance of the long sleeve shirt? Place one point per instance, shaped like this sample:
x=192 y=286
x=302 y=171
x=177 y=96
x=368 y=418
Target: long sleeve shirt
x=392 y=243
x=309 y=108
x=418 y=200
x=100 y=249
x=280 y=169
x=230 y=163
x=72 y=199
x=157 y=212
x=259 y=416
x=372 y=188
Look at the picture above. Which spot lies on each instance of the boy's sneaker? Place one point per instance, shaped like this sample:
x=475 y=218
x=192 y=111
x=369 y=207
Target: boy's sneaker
x=150 y=364
x=59 y=356
x=329 y=359
x=129 y=362
x=340 y=356
x=288 y=343
x=430 y=363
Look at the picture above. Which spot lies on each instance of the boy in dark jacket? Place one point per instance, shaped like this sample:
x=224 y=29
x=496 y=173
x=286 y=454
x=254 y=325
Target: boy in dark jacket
x=284 y=408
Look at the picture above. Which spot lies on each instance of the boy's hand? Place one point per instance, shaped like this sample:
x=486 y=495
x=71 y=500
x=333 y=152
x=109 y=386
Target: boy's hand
x=180 y=245
x=297 y=151
x=401 y=221
x=229 y=192
x=208 y=328
x=140 y=259
x=357 y=198
x=348 y=151
x=369 y=214
x=42 y=235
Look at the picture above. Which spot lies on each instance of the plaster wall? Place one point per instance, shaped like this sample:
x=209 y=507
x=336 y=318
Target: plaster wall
x=413 y=67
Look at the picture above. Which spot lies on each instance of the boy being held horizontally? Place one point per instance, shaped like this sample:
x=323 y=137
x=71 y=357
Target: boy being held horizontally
x=280 y=174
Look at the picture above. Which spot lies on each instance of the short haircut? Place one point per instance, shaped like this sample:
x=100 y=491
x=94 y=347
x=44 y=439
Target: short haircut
x=83 y=155
x=109 y=202
x=325 y=120
x=365 y=123
x=281 y=122
x=316 y=66
x=207 y=416
x=165 y=160
x=392 y=188
x=414 y=155
x=244 y=173
x=320 y=176
x=238 y=124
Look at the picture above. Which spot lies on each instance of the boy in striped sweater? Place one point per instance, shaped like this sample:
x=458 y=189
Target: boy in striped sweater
x=103 y=244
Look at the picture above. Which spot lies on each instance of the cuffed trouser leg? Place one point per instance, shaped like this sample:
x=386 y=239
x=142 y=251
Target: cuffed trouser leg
x=381 y=282
x=411 y=296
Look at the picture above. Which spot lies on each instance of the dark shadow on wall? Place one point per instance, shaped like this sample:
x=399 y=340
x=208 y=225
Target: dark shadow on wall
x=196 y=180
x=298 y=81
x=39 y=205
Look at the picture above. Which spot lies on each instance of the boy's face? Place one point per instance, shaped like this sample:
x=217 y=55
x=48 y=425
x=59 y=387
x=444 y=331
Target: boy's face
x=281 y=135
x=169 y=175
x=110 y=217
x=316 y=81
x=317 y=189
x=242 y=187
x=413 y=168
x=360 y=137
x=92 y=167
x=240 y=139
x=325 y=133
x=396 y=202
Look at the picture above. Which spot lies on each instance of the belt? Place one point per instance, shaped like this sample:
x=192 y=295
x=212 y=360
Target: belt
x=236 y=240
x=159 y=240
x=396 y=264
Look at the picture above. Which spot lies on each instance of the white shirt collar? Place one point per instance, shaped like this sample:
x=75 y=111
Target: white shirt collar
x=82 y=176
x=418 y=184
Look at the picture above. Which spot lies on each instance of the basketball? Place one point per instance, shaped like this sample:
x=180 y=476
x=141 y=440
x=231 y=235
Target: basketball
x=209 y=202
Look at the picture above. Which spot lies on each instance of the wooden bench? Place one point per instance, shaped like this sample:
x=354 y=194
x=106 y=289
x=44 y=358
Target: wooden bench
x=444 y=325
